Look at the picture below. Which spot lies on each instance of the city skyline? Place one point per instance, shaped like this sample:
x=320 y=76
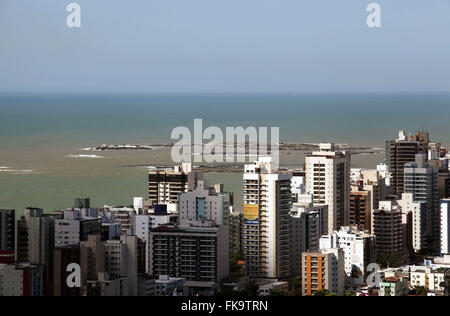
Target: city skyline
x=224 y=153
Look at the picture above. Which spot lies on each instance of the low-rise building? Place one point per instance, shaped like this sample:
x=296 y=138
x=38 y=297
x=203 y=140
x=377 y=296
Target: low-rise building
x=199 y=288
x=393 y=286
x=266 y=289
x=430 y=279
x=146 y=285
x=169 y=286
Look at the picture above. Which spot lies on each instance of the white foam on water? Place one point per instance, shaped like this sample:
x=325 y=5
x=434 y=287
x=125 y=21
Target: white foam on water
x=85 y=156
x=17 y=171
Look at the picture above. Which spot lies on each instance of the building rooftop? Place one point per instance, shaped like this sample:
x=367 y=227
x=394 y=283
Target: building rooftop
x=201 y=284
x=391 y=279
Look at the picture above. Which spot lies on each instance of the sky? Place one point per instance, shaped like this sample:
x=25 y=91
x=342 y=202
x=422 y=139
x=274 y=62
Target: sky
x=153 y=46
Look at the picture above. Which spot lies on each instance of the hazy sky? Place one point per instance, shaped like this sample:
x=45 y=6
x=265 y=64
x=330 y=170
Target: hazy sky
x=224 y=46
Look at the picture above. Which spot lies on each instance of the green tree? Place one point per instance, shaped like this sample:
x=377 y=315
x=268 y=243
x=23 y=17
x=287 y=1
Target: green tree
x=390 y=260
x=235 y=257
x=295 y=287
x=421 y=291
x=324 y=293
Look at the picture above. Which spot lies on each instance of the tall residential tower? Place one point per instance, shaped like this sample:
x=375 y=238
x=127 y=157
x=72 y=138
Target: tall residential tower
x=267 y=234
x=328 y=179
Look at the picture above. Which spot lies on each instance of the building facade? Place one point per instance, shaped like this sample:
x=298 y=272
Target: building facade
x=267 y=234
x=388 y=228
x=445 y=227
x=164 y=186
x=400 y=152
x=7 y=230
x=323 y=270
x=359 y=252
x=421 y=180
x=194 y=254
x=203 y=204
x=328 y=180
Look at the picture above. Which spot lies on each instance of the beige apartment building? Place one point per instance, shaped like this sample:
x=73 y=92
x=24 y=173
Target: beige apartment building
x=328 y=179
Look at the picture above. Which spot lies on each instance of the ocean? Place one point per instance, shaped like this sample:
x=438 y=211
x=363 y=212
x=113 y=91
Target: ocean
x=43 y=164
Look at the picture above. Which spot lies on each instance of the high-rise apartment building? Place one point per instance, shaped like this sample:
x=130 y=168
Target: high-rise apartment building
x=267 y=235
x=121 y=262
x=196 y=253
x=75 y=227
x=367 y=190
x=204 y=204
x=92 y=259
x=360 y=208
x=421 y=180
x=7 y=229
x=328 y=179
x=142 y=225
x=35 y=236
x=165 y=185
x=35 y=241
x=236 y=231
x=445 y=227
x=401 y=151
x=21 y=280
x=388 y=228
x=62 y=258
x=309 y=223
x=414 y=223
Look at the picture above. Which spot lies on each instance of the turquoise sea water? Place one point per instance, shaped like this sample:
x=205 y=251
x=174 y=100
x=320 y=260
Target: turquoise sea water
x=39 y=133
x=84 y=119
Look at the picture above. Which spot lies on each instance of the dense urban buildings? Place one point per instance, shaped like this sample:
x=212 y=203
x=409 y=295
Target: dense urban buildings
x=314 y=231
